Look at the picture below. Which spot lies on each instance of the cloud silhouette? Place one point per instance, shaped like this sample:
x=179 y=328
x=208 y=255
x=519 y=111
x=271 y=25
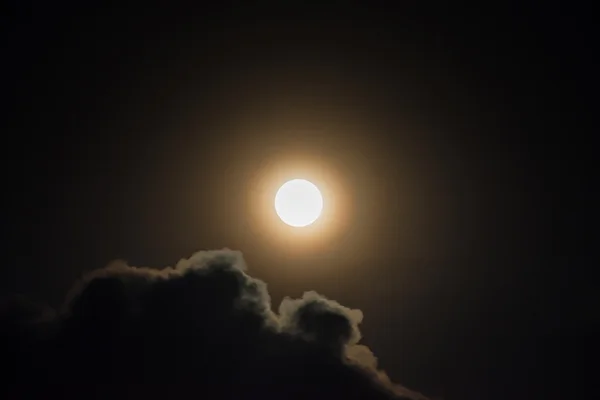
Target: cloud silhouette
x=203 y=328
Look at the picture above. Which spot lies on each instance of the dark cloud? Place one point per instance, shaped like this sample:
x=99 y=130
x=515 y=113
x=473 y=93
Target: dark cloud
x=201 y=329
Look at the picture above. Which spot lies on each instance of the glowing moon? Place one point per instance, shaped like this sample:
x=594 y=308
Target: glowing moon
x=298 y=203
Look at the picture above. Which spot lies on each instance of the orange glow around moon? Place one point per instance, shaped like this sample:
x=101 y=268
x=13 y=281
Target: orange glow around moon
x=271 y=228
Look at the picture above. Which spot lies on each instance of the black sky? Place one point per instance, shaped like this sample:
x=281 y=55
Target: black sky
x=461 y=136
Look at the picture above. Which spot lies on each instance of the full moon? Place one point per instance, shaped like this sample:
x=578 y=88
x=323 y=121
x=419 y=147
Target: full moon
x=298 y=203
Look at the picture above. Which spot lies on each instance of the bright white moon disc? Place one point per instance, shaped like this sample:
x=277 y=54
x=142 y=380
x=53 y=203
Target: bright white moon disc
x=298 y=203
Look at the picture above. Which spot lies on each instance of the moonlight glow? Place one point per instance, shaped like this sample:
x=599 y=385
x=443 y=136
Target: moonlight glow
x=298 y=203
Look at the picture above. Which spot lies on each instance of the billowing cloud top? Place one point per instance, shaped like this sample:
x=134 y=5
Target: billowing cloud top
x=201 y=329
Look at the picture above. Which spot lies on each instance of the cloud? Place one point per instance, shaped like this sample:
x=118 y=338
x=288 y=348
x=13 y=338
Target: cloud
x=321 y=320
x=203 y=328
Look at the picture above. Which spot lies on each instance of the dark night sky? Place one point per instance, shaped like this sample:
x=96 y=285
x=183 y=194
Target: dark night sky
x=460 y=138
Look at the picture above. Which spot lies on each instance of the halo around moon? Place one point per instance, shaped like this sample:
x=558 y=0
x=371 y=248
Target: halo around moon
x=298 y=203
